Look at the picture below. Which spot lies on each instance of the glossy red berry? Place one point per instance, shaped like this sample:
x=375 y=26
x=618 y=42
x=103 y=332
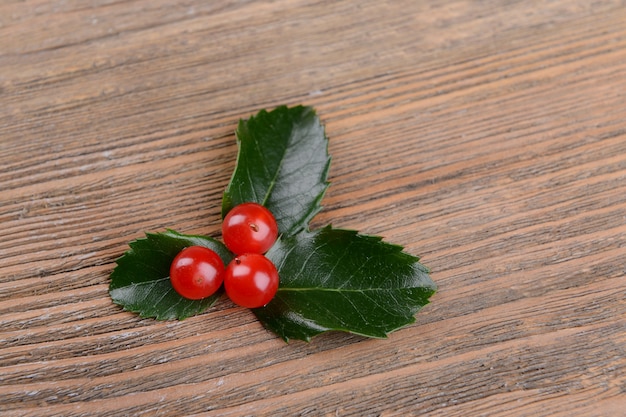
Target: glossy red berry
x=249 y=228
x=251 y=280
x=197 y=272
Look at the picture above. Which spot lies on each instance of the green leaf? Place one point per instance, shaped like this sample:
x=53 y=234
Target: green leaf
x=282 y=164
x=334 y=279
x=330 y=279
x=140 y=281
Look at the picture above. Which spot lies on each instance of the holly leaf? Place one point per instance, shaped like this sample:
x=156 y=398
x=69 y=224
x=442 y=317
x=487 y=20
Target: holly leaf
x=334 y=279
x=282 y=164
x=330 y=279
x=140 y=281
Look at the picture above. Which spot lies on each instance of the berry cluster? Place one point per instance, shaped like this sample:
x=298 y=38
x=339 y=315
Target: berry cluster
x=250 y=279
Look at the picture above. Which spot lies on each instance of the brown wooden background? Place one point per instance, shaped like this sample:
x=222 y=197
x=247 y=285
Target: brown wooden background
x=489 y=137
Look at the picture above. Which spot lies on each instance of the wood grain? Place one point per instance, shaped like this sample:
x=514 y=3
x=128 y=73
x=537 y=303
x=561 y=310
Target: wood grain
x=487 y=137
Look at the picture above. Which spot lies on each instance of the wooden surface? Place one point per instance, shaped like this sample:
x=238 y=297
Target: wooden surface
x=487 y=137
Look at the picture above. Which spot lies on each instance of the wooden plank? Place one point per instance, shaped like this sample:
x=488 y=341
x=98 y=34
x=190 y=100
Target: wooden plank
x=487 y=137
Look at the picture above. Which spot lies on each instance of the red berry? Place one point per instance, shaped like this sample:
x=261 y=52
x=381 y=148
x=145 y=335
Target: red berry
x=249 y=228
x=251 y=280
x=197 y=272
